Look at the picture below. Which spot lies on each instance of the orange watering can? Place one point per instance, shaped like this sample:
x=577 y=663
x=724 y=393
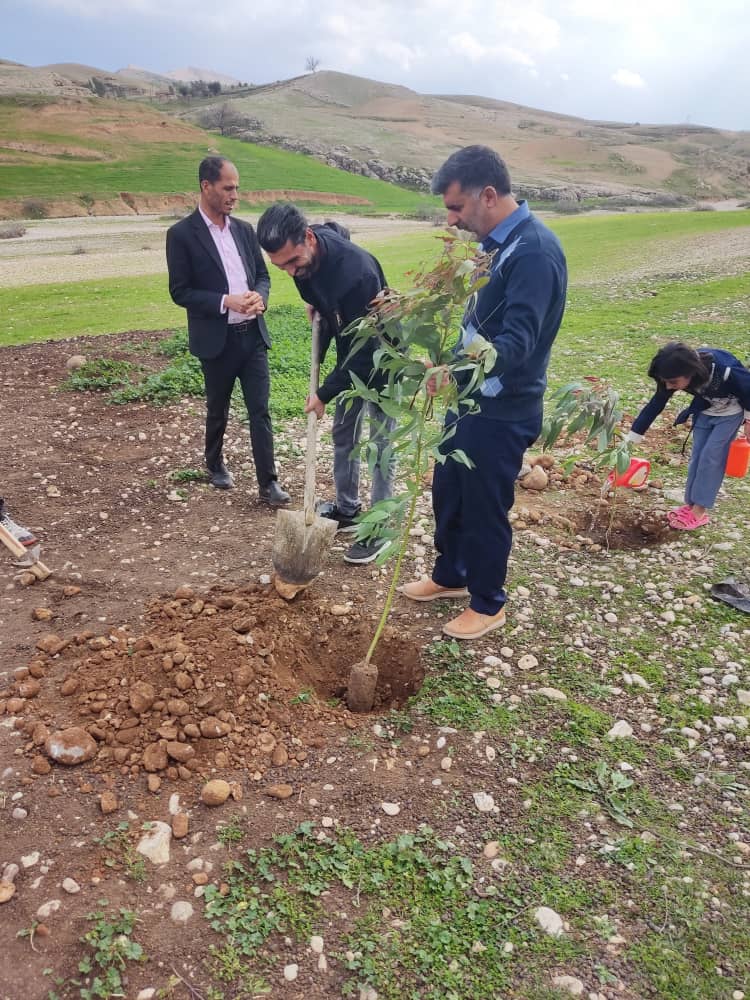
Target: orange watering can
x=738 y=459
x=635 y=476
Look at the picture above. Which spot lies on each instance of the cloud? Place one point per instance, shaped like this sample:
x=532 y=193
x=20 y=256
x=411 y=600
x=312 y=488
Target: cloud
x=627 y=78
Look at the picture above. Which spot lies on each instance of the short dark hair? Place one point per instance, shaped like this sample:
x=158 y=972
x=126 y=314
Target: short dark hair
x=279 y=224
x=209 y=169
x=475 y=168
x=677 y=360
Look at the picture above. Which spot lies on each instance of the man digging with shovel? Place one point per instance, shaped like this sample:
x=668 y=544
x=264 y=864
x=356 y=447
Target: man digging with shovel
x=338 y=280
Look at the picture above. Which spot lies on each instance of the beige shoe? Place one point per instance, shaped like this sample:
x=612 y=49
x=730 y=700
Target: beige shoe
x=471 y=624
x=428 y=590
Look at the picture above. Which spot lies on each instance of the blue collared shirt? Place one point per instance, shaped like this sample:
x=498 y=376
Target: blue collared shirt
x=503 y=229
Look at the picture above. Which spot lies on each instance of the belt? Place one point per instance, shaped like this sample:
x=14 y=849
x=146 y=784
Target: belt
x=246 y=327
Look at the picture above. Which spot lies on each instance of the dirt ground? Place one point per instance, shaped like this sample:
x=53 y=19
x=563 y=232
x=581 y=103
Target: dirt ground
x=160 y=636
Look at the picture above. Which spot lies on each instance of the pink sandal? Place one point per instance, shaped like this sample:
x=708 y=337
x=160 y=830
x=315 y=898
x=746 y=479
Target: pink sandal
x=676 y=513
x=687 y=521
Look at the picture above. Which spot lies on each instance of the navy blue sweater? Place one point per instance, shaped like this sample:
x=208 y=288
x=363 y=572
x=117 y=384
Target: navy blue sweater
x=520 y=310
x=729 y=378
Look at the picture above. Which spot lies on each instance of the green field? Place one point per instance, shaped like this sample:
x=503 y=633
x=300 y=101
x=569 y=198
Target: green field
x=141 y=167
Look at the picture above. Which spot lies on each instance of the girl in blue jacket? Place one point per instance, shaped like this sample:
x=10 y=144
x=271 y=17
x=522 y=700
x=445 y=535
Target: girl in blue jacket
x=720 y=387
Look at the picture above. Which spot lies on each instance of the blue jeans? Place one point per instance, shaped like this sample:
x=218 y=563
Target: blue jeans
x=712 y=438
x=347 y=431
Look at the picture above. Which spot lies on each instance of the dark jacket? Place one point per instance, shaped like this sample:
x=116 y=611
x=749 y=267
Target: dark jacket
x=348 y=278
x=197 y=280
x=520 y=310
x=729 y=378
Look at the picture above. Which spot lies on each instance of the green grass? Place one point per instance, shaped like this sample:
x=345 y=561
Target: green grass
x=171 y=167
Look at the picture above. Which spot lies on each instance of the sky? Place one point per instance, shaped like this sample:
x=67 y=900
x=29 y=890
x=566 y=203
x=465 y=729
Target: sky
x=663 y=61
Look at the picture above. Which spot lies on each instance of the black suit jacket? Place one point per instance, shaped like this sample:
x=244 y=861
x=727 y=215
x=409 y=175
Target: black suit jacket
x=197 y=280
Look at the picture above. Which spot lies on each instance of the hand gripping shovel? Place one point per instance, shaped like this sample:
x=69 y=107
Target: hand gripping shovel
x=303 y=539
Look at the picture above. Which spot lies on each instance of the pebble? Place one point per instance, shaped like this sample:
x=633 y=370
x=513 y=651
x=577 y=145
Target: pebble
x=148 y=994
x=108 y=802
x=29 y=860
x=155 y=844
x=181 y=912
x=528 y=662
x=71 y=886
x=280 y=791
x=47 y=909
x=550 y=921
x=553 y=694
x=70 y=746
x=620 y=731
x=291 y=972
x=390 y=808
x=570 y=984
x=215 y=792
x=7 y=891
x=316 y=944
x=19 y=813
x=484 y=802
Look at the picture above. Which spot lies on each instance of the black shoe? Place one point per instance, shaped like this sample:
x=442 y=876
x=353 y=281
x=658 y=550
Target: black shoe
x=221 y=478
x=346 y=522
x=273 y=495
x=365 y=552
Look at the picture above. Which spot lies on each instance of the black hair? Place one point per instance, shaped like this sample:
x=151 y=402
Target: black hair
x=279 y=224
x=209 y=169
x=677 y=360
x=475 y=168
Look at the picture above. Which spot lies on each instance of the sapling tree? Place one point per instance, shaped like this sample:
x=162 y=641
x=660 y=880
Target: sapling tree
x=418 y=333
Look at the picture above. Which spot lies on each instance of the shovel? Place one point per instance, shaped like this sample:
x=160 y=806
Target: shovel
x=303 y=538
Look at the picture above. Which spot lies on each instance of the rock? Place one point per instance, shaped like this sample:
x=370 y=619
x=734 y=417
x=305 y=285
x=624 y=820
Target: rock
x=181 y=912
x=70 y=746
x=142 y=696
x=180 y=825
x=51 y=644
x=212 y=728
x=550 y=922
x=40 y=765
x=279 y=791
x=29 y=860
x=181 y=752
x=291 y=972
x=42 y=614
x=339 y=610
x=46 y=910
x=390 y=808
x=155 y=844
x=537 y=479
x=29 y=688
x=19 y=813
x=108 y=803
x=155 y=757
x=74 y=362
x=280 y=755
x=484 y=802
x=553 y=694
x=620 y=731
x=528 y=662
x=215 y=792
x=71 y=886
x=7 y=891
x=743 y=696
x=148 y=994
x=178 y=707
x=491 y=849
x=316 y=944
x=570 y=984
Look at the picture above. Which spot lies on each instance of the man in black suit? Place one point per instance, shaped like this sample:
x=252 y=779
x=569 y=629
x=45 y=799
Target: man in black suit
x=217 y=272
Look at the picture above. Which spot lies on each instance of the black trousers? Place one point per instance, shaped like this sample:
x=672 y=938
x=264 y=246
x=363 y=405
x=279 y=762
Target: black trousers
x=245 y=357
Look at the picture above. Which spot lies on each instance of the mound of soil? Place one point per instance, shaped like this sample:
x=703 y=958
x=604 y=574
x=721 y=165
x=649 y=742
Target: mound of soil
x=233 y=678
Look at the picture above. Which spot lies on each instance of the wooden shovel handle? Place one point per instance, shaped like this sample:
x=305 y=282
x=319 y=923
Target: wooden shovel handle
x=38 y=568
x=312 y=424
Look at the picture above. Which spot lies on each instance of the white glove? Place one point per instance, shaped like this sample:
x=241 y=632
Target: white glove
x=632 y=438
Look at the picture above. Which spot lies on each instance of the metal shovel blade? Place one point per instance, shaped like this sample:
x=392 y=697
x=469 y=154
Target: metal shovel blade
x=300 y=550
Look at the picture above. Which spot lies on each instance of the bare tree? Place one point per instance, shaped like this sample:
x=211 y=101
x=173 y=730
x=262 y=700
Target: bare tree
x=223 y=117
x=311 y=64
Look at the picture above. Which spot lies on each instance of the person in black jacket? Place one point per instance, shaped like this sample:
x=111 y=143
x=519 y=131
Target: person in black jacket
x=339 y=281
x=720 y=386
x=217 y=272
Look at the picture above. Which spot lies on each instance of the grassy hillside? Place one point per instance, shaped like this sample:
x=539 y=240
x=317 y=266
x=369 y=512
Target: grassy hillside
x=97 y=149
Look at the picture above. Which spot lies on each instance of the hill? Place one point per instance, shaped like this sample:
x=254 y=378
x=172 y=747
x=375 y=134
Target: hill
x=354 y=121
x=89 y=156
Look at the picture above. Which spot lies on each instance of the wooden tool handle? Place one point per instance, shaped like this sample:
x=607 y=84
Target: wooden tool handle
x=312 y=424
x=40 y=571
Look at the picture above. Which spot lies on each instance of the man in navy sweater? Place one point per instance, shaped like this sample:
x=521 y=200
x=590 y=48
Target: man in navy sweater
x=519 y=310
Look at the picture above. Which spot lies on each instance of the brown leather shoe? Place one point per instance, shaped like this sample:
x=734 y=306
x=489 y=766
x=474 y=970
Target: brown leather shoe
x=428 y=590
x=471 y=624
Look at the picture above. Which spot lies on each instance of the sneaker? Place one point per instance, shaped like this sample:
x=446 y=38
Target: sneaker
x=346 y=522
x=365 y=552
x=21 y=535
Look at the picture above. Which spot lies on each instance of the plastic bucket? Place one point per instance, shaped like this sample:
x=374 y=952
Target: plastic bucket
x=738 y=459
x=634 y=476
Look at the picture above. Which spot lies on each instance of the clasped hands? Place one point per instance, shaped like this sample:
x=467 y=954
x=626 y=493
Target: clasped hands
x=249 y=303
